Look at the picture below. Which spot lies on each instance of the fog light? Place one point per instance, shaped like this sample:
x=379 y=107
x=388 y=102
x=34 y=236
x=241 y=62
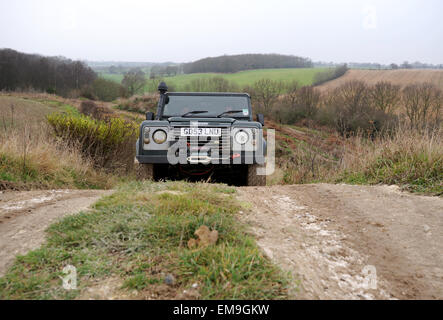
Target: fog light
x=146 y=139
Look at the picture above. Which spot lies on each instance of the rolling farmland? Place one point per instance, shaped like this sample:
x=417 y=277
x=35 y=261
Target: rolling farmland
x=304 y=76
x=399 y=77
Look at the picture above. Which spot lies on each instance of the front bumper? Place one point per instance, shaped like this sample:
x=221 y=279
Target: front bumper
x=161 y=157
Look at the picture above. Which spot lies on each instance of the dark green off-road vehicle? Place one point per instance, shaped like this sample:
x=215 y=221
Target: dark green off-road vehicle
x=204 y=136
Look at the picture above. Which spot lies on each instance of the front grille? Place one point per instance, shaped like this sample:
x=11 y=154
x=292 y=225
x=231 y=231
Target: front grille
x=222 y=143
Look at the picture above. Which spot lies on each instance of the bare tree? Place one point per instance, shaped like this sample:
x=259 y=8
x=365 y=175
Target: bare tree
x=290 y=97
x=266 y=92
x=308 y=99
x=296 y=104
x=423 y=103
x=134 y=81
x=349 y=103
x=385 y=96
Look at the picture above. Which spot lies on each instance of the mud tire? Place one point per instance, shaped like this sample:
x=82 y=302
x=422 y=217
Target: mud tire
x=144 y=171
x=253 y=179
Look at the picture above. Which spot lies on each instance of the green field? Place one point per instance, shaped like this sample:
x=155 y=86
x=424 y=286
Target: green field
x=304 y=76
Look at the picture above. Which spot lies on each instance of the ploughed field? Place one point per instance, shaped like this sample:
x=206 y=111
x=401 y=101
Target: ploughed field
x=398 y=77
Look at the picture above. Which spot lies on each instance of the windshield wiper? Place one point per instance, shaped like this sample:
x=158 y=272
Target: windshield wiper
x=194 y=112
x=228 y=112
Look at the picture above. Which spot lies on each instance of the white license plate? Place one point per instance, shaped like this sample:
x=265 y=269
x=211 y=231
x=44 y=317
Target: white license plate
x=196 y=132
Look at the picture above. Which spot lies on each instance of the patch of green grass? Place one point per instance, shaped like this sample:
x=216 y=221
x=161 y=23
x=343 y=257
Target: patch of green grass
x=60 y=106
x=36 y=175
x=112 y=76
x=304 y=76
x=37 y=275
x=140 y=234
x=415 y=172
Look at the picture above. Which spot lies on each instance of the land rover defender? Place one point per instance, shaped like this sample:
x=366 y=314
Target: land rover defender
x=202 y=135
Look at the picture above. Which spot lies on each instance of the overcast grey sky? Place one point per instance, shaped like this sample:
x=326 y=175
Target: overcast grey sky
x=185 y=30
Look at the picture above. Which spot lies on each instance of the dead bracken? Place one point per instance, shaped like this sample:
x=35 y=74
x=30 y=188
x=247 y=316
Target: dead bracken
x=205 y=237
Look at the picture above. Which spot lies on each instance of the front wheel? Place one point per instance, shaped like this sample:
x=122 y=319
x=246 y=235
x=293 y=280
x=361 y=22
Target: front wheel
x=254 y=179
x=144 y=171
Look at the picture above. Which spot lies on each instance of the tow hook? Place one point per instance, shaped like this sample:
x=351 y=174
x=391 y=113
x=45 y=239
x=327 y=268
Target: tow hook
x=196 y=159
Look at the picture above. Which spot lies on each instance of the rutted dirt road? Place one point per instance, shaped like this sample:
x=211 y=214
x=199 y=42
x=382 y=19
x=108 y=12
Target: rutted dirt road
x=331 y=236
x=24 y=216
x=328 y=236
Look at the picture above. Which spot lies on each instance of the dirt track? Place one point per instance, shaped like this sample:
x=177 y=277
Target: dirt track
x=24 y=216
x=325 y=235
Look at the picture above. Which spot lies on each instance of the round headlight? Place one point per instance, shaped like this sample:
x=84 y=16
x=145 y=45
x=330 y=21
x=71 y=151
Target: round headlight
x=159 y=136
x=241 y=137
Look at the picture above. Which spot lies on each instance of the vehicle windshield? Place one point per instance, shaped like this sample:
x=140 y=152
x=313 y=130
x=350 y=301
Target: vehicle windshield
x=180 y=105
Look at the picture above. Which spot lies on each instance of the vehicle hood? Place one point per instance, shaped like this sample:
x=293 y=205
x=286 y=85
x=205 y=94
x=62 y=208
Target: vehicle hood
x=187 y=120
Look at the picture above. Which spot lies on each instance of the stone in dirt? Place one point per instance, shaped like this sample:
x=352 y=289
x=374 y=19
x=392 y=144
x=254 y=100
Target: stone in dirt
x=170 y=279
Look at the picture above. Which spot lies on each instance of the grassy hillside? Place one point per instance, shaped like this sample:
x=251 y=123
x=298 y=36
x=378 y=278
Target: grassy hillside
x=304 y=76
x=30 y=157
x=398 y=77
x=410 y=159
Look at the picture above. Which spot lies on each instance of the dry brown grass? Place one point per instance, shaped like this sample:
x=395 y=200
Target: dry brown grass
x=360 y=151
x=396 y=77
x=31 y=158
x=409 y=158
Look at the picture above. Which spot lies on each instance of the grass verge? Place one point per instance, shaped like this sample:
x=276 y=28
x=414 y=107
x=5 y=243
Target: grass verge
x=411 y=160
x=139 y=235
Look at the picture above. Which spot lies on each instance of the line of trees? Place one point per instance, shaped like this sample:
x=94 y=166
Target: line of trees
x=164 y=71
x=20 y=71
x=330 y=74
x=353 y=106
x=235 y=63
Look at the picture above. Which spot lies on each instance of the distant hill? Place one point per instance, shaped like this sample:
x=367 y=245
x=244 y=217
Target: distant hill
x=127 y=64
x=121 y=67
x=400 y=77
x=235 y=63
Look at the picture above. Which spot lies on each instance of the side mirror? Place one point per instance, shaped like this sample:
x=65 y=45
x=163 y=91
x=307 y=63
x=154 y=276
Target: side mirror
x=261 y=119
x=149 y=115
